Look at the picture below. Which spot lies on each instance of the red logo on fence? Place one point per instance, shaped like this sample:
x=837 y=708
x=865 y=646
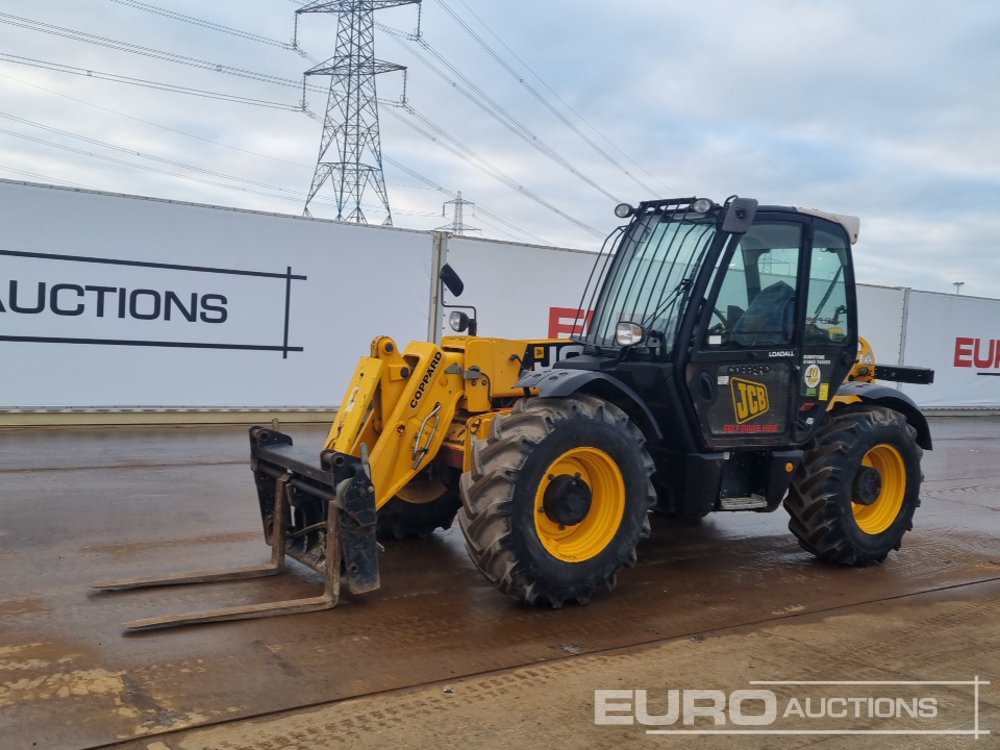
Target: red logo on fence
x=976 y=352
x=568 y=321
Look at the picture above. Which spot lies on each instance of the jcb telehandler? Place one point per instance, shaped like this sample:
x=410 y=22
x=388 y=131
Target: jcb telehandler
x=716 y=367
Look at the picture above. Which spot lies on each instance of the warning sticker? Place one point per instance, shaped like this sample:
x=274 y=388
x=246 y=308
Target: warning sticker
x=812 y=376
x=824 y=392
x=816 y=359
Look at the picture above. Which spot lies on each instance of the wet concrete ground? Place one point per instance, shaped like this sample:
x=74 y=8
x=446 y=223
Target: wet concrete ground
x=82 y=505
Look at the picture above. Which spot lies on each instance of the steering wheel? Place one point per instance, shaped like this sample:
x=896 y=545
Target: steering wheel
x=722 y=326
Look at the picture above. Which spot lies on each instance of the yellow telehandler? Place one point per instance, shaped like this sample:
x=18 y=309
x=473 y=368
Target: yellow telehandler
x=716 y=367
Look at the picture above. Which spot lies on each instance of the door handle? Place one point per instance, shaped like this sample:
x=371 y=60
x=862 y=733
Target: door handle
x=706 y=387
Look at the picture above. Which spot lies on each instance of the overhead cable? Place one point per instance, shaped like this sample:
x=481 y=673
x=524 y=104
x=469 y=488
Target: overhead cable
x=490 y=106
x=437 y=134
x=542 y=99
x=157 y=85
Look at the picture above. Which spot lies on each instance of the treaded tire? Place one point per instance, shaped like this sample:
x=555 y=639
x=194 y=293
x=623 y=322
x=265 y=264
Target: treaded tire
x=399 y=519
x=819 y=499
x=498 y=511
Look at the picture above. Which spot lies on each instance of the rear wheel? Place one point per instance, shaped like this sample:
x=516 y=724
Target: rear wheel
x=557 y=499
x=854 y=496
x=420 y=508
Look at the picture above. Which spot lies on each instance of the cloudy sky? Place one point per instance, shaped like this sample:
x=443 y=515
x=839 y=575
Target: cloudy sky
x=889 y=110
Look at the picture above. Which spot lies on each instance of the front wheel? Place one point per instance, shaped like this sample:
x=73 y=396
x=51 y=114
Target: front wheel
x=854 y=496
x=401 y=519
x=557 y=499
x=424 y=505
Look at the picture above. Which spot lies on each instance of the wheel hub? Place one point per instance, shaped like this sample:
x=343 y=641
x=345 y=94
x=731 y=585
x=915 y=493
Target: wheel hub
x=867 y=485
x=567 y=500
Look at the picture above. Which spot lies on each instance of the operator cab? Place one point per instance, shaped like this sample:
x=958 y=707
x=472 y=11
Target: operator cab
x=777 y=332
x=749 y=312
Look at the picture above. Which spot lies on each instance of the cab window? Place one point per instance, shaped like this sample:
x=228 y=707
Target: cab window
x=826 y=301
x=755 y=306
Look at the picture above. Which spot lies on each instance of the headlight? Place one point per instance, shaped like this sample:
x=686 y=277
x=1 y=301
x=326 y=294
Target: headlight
x=629 y=334
x=458 y=321
x=624 y=210
x=702 y=206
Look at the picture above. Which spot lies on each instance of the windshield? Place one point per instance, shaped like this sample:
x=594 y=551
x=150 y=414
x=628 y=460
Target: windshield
x=650 y=275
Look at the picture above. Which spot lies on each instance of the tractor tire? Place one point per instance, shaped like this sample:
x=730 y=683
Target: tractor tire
x=557 y=499
x=853 y=498
x=399 y=519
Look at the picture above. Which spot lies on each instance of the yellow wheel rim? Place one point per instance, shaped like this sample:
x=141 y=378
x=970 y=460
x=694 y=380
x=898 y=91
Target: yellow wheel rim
x=422 y=490
x=589 y=537
x=879 y=516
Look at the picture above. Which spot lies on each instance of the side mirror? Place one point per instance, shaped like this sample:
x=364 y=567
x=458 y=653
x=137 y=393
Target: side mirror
x=739 y=215
x=459 y=321
x=451 y=280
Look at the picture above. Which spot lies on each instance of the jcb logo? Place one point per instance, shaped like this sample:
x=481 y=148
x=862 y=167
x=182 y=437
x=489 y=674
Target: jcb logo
x=749 y=399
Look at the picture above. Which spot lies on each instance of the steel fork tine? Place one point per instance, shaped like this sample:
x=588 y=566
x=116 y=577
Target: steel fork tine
x=276 y=565
x=327 y=600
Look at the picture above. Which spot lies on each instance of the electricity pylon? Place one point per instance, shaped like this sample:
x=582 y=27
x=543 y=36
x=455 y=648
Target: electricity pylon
x=350 y=149
x=457 y=225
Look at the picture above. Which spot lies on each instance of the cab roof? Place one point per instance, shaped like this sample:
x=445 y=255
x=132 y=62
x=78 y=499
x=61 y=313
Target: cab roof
x=851 y=224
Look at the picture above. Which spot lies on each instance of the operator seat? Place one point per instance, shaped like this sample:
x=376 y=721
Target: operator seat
x=770 y=319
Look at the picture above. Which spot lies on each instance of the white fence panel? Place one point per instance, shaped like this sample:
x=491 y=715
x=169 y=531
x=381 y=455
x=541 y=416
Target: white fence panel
x=520 y=291
x=118 y=301
x=959 y=337
x=880 y=320
x=112 y=301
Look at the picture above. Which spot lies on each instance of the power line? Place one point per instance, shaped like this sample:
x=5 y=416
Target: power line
x=156 y=85
x=428 y=183
x=569 y=107
x=493 y=171
x=271 y=191
x=443 y=138
x=63 y=147
x=176 y=131
x=490 y=106
x=131 y=152
x=483 y=211
x=222 y=28
x=82 y=36
x=453 y=144
x=194 y=62
x=150 y=122
x=9 y=168
x=536 y=94
x=459 y=149
x=211 y=25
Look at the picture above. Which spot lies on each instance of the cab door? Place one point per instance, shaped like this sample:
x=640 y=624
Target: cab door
x=743 y=373
x=829 y=339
